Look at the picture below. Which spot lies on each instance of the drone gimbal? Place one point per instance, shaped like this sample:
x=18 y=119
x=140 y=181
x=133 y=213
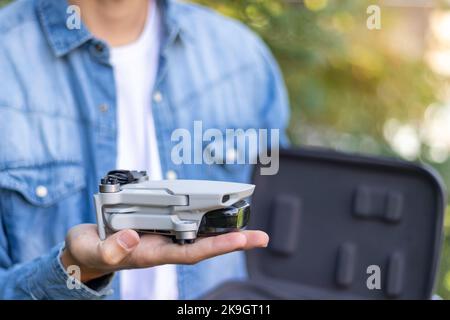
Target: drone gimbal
x=182 y=209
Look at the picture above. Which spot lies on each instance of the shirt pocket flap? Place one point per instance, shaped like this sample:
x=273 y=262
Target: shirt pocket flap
x=44 y=185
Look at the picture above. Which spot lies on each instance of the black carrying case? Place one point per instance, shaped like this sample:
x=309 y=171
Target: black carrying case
x=331 y=216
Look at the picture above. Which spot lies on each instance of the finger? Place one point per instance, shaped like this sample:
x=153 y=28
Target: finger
x=117 y=247
x=192 y=253
x=83 y=240
x=255 y=239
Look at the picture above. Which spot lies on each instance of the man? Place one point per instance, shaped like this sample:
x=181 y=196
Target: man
x=80 y=99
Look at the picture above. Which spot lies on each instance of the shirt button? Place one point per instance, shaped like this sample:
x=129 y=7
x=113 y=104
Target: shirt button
x=171 y=175
x=99 y=47
x=103 y=107
x=41 y=191
x=157 y=96
x=231 y=155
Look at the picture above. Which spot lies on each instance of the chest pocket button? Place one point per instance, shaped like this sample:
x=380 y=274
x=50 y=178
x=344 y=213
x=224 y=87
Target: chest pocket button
x=157 y=97
x=41 y=191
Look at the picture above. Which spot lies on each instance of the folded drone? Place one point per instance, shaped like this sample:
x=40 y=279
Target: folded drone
x=181 y=209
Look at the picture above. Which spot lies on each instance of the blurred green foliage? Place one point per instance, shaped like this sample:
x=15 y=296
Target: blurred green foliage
x=344 y=80
x=339 y=74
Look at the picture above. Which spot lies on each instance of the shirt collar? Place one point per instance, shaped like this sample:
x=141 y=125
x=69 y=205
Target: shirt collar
x=53 y=15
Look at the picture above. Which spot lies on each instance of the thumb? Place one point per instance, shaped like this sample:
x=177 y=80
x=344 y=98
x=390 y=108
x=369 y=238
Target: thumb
x=118 y=246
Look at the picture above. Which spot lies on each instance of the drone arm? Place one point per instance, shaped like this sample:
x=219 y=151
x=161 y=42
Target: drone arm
x=134 y=197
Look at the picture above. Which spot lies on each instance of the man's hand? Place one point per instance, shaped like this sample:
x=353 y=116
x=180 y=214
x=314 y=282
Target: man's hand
x=127 y=250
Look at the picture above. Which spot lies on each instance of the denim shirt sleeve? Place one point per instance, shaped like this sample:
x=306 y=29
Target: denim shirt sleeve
x=45 y=278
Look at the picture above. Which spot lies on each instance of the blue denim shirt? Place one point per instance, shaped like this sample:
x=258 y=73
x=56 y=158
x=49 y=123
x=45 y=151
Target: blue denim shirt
x=58 y=130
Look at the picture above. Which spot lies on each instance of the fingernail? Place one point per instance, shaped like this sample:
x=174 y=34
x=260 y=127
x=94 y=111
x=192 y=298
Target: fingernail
x=267 y=242
x=127 y=240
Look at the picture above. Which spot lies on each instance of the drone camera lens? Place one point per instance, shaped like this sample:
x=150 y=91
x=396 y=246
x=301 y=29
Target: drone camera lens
x=233 y=218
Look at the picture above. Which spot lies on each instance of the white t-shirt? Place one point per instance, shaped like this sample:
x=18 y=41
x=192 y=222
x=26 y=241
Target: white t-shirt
x=135 y=67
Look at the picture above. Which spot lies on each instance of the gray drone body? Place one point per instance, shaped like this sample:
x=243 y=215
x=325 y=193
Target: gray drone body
x=177 y=208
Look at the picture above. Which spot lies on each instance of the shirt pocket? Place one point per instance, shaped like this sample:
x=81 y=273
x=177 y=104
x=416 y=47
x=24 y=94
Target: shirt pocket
x=44 y=185
x=224 y=104
x=39 y=204
x=228 y=100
